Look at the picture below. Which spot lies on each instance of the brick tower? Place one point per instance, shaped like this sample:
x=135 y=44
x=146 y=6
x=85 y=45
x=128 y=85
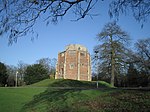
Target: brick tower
x=74 y=63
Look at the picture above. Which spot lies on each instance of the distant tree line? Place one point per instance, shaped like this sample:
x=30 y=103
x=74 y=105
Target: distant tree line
x=27 y=74
x=119 y=63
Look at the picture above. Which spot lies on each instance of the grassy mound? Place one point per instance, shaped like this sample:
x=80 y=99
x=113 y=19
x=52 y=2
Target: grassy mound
x=70 y=83
x=13 y=99
x=46 y=96
x=75 y=100
x=43 y=83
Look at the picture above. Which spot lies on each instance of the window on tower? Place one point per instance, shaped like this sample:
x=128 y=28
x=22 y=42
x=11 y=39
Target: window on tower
x=71 y=66
x=82 y=54
x=72 y=52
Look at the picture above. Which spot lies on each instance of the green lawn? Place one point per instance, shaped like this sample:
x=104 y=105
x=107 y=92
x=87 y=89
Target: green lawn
x=44 y=97
x=13 y=99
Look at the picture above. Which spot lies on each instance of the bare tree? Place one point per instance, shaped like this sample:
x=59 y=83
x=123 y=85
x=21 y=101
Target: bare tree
x=112 y=51
x=143 y=54
x=21 y=68
x=48 y=64
x=17 y=17
x=11 y=71
x=139 y=8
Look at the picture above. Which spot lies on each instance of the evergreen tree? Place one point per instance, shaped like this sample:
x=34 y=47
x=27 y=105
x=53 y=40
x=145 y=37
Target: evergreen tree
x=35 y=73
x=112 y=51
x=3 y=74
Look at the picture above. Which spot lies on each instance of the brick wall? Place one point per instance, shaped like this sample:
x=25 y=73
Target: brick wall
x=74 y=63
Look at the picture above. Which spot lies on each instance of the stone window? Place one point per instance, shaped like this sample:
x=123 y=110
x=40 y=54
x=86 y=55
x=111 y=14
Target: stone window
x=62 y=70
x=72 y=52
x=79 y=48
x=71 y=66
x=82 y=54
x=82 y=64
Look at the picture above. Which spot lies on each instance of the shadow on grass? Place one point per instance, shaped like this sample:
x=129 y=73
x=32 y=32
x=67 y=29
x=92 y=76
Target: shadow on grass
x=76 y=83
x=78 y=100
x=70 y=97
x=132 y=100
x=121 y=101
x=55 y=100
x=72 y=83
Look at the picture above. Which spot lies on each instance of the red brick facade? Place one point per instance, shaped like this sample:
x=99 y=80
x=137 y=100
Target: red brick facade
x=74 y=63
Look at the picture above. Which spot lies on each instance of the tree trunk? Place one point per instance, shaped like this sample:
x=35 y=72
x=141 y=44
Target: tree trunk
x=112 y=61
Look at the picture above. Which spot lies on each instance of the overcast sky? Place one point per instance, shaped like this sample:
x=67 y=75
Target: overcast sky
x=53 y=38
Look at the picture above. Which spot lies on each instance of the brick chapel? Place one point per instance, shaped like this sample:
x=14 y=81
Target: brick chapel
x=74 y=63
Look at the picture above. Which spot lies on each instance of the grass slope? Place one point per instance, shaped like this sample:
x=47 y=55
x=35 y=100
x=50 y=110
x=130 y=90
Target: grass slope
x=13 y=99
x=70 y=83
x=81 y=100
x=44 y=96
x=75 y=100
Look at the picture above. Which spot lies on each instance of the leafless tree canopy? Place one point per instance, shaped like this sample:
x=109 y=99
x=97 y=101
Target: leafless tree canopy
x=143 y=54
x=139 y=8
x=17 y=17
